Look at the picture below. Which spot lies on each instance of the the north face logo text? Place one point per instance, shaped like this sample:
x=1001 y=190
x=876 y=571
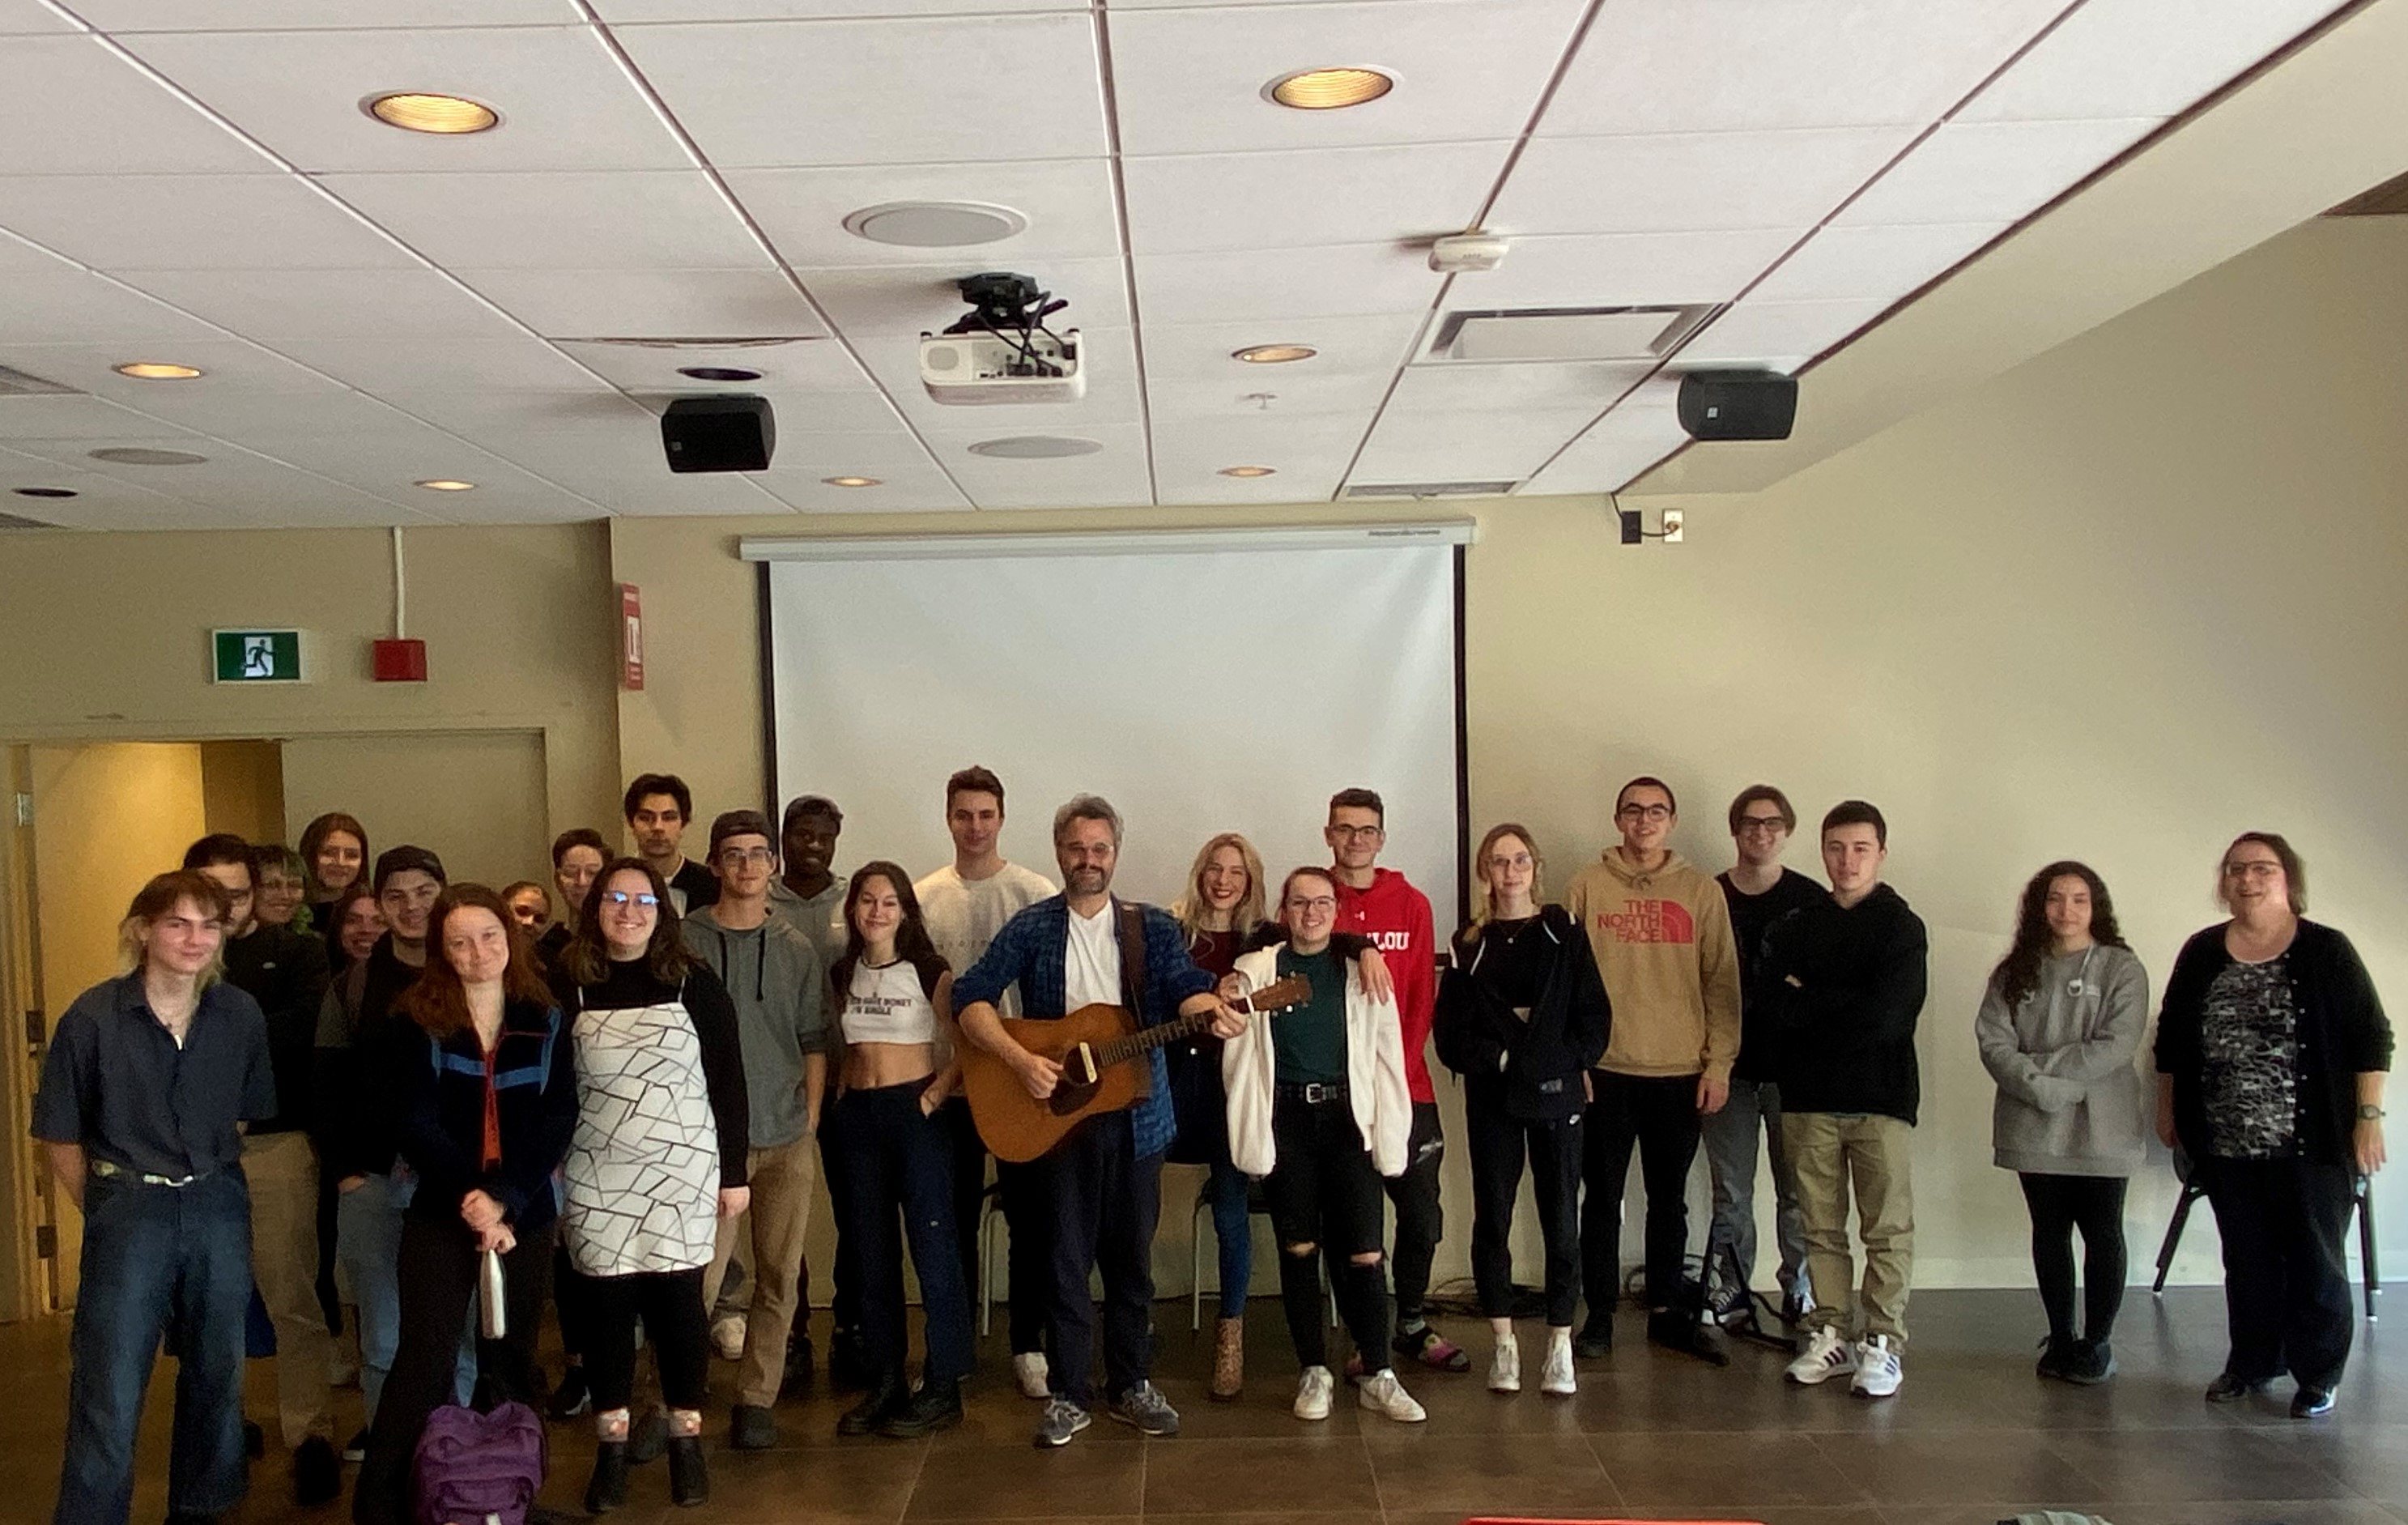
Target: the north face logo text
x=1649 y=921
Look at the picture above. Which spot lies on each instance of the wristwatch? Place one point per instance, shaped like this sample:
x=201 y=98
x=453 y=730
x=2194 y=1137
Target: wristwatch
x=2369 y=1113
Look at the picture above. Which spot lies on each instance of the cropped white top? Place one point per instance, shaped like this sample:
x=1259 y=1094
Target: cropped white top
x=886 y=1005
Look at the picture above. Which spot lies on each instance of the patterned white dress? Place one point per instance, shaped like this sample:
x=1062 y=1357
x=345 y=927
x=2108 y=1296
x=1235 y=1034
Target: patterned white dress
x=642 y=1172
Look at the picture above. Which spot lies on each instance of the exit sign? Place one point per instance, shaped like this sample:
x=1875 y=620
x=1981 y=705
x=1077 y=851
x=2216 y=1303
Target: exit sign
x=257 y=657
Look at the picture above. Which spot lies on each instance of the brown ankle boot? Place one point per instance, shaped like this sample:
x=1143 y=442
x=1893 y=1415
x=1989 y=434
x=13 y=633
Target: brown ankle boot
x=1228 y=1361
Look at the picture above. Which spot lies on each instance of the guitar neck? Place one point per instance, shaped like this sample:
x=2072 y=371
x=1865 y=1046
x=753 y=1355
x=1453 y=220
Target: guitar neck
x=1145 y=1040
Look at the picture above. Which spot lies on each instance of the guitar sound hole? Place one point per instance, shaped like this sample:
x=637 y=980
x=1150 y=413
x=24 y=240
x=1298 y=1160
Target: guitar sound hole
x=1070 y=1096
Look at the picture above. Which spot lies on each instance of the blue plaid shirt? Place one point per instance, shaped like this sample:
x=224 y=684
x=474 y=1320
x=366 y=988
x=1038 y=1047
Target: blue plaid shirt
x=1030 y=952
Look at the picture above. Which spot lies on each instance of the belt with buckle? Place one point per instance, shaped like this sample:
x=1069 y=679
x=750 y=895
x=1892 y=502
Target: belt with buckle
x=1312 y=1093
x=111 y=1172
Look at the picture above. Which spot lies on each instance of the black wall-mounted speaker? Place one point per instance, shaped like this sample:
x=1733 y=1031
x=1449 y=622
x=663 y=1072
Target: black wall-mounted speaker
x=729 y=433
x=1738 y=404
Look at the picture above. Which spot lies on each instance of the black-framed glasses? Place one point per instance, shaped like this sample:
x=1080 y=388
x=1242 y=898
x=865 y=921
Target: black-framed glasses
x=1762 y=823
x=1645 y=812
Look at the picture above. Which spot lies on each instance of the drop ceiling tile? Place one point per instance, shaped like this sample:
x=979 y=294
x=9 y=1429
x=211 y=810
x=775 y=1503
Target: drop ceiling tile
x=1201 y=203
x=267 y=491
x=1676 y=65
x=913 y=300
x=1616 y=449
x=496 y=420
x=1991 y=171
x=1333 y=280
x=1622 y=269
x=1455 y=386
x=651 y=303
x=1222 y=399
x=421 y=365
x=564 y=101
x=2131 y=58
x=18 y=254
x=1114 y=476
x=905 y=475
x=1108 y=358
x=1466 y=446
x=125 y=121
x=1675 y=182
x=63 y=305
x=30 y=18
x=239 y=415
x=889 y=90
x=816 y=364
x=330 y=15
x=1207 y=351
x=1844 y=262
x=272 y=305
x=1069 y=205
x=658 y=220
x=541 y=504
x=230 y=368
x=100 y=502
x=193 y=223
x=1762 y=333
x=390 y=461
x=632 y=12
x=866 y=412
x=1195 y=82
x=1309 y=456
x=37 y=425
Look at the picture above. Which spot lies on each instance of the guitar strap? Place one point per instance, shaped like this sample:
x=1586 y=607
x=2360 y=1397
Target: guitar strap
x=1133 y=975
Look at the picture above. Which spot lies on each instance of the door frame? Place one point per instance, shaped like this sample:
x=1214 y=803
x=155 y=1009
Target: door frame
x=26 y=1279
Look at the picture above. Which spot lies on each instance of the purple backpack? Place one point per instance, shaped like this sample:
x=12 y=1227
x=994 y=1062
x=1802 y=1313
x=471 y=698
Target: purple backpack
x=478 y=1468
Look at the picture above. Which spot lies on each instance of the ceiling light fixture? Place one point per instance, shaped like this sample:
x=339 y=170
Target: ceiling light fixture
x=157 y=370
x=44 y=492
x=1330 y=89
x=1273 y=355
x=1249 y=471
x=935 y=224
x=850 y=481
x=444 y=484
x=142 y=455
x=718 y=373
x=443 y=115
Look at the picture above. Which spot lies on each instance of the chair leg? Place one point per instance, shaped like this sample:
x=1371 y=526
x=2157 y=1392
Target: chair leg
x=2366 y=1245
x=1196 y=1260
x=2174 y=1236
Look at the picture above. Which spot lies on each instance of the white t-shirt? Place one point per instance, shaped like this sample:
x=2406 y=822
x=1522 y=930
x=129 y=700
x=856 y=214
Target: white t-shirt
x=964 y=914
x=1090 y=961
x=886 y=1005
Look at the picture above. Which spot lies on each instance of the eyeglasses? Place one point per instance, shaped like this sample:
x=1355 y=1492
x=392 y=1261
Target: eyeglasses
x=1767 y=824
x=1644 y=813
x=1357 y=833
x=1317 y=902
x=2253 y=869
x=619 y=897
x=760 y=855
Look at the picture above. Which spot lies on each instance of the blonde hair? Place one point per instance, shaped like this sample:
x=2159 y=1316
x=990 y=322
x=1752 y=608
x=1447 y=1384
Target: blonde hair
x=162 y=895
x=1190 y=908
x=1484 y=905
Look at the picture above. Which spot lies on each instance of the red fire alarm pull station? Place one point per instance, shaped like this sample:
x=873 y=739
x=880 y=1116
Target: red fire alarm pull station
x=400 y=661
x=631 y=637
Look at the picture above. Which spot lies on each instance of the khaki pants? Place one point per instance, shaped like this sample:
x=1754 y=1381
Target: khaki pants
x=283 y=1169
x=782 y=1181
x=1828 y=1153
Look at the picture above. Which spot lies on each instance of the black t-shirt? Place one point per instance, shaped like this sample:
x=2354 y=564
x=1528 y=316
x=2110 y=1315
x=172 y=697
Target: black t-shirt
x=1750 y=917
x=699 y=884
x=285 y=971
x=1513 y=965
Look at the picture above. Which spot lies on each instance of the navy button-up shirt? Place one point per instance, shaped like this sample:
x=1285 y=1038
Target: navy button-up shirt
x=116 y=1082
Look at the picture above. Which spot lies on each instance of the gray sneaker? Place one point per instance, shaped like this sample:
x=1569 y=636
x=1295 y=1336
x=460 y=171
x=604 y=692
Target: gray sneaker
x=1144 y=1409
x=1061 y=1419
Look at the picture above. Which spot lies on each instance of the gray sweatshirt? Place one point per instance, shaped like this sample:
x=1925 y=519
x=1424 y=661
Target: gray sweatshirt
x=774 y=975
x=2069 y=1094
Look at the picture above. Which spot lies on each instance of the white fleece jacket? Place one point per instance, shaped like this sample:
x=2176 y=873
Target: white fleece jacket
x=1375 y=1074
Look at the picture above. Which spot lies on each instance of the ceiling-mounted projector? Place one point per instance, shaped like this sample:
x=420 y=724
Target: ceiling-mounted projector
x=1001 y=351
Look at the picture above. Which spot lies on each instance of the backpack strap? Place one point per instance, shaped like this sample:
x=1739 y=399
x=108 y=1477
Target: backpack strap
x=1133 y=972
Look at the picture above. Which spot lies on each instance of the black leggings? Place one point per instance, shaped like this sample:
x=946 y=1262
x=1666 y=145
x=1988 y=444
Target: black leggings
x=670 y=1305
x=1323 y=1191
x=2094 y=1204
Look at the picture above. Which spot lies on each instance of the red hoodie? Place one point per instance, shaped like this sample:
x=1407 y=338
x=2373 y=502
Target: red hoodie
x=1397 y=917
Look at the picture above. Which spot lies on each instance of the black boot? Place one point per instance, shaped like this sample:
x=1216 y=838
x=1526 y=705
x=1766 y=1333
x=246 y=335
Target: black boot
x=848 y=1366
x=609 y=1488
x=886 y=1395
x=689 y=1475
x=938 y=1405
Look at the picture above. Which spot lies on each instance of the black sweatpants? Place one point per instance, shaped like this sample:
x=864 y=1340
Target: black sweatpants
x=1323 y=1191
x=1659 y=1114
x=670 y=1305
x=1420 y=1222
x=1498 y=1143
x=2287 y=1298
x=437 y=1265
x=2060 y=1204
x=1105 y=1200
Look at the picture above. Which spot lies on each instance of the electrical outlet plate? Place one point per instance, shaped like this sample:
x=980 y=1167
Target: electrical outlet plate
x=1672 y=521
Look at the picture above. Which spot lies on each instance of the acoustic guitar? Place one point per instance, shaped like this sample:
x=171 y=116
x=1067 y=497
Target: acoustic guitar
x=1105 y=1068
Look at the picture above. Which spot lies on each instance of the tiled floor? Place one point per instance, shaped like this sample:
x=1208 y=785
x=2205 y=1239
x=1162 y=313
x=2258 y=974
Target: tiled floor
x=1972 y=1438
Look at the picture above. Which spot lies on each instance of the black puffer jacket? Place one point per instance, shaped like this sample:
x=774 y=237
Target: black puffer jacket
x=1529 y=1069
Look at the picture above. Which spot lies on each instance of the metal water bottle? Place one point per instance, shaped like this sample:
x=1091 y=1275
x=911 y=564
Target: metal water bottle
x=493 y=1316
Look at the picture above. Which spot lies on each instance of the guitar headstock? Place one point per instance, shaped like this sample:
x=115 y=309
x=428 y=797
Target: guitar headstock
x=1279 y=995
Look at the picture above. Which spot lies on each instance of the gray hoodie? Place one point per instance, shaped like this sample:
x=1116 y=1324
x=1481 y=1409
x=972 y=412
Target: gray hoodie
x=2069 y=1094
x=774 y=975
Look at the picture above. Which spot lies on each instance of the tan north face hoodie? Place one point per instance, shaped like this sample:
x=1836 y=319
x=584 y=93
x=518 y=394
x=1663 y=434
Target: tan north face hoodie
x=1663 y=941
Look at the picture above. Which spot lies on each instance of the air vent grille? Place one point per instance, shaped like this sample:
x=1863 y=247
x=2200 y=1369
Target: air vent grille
x=17 y=383
x=1432 y=489
x=1558 y=334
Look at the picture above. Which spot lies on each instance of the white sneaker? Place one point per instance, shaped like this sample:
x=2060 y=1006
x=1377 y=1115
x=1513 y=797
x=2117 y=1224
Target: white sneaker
x=1030 y=1375
x=1382 y=1393
x=1312 y=1393
x=1505 y=1366
x=1878 y=1372
x=728 y=1336
x=1826 y=1355
x=1557 y=1378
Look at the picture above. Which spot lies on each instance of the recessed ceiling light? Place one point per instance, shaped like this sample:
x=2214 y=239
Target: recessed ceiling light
x=1035 y=447
x=850 y=481
x=1273 y=355
x=137 y=455
x=1249 y=471
x=446 y=115
x=45 y=492
x=718 y=373
x=444 y=484
x=157 y=370
x=1327 y=90
x=935 y=224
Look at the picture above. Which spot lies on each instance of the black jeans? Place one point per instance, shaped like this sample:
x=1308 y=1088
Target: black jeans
x=1420 y=1222
x=670 y=1305
x=1105 y=1200
x=901 y=1166
x=1029 y=1209
x=2095 y=1204
x=1325 y=1192
x=1659 y=1113
x=438 y=1269
x=2287 y=1298
x=1499 y=1142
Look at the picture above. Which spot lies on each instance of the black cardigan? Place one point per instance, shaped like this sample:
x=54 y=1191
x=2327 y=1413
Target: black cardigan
x=442 y=1108
x=2343 y=1033
x=1530 y=1068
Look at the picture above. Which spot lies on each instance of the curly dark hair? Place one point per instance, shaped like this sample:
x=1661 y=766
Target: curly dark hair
x=2018 y=972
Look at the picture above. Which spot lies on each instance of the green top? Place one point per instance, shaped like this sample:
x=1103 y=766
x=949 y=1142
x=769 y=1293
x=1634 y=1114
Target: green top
x=1308 y=1042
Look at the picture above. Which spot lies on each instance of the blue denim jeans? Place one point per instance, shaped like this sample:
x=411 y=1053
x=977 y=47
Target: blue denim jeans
x=1233 y=1229
x=368 y=1239
x=158 y=1261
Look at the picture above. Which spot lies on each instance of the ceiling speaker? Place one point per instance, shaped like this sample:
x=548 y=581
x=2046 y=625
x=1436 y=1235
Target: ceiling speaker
x=1738 y=404
x=735 y=432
